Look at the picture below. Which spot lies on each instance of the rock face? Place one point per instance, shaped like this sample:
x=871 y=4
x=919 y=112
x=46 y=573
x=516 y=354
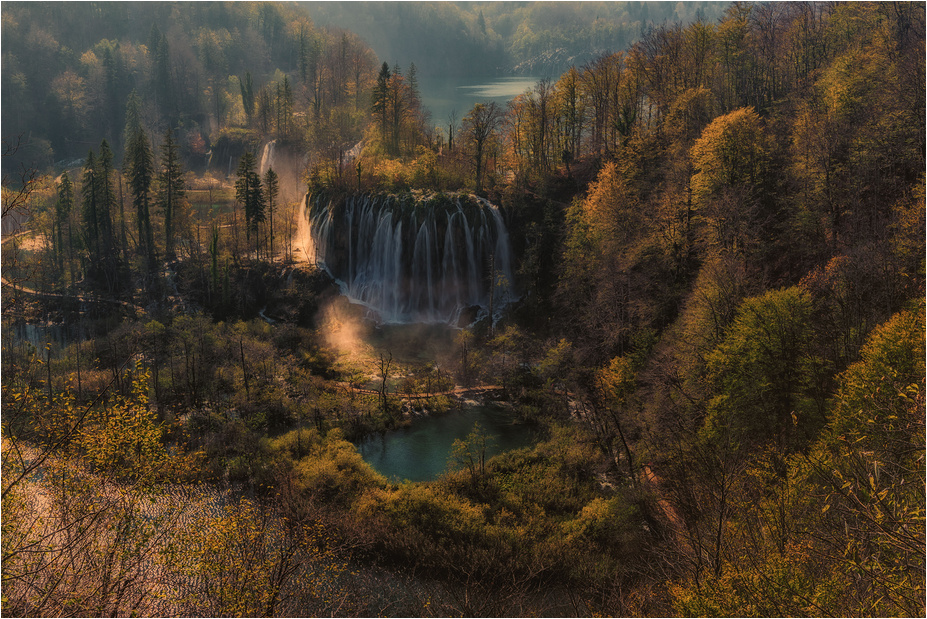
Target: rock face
x=414 y=258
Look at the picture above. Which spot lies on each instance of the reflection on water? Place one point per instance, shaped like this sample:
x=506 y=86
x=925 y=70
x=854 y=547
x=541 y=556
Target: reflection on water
x=504 y=87
x=420 y=451
x=40 y=335
x=442 y=96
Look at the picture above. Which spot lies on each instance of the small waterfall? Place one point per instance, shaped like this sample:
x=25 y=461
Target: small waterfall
x=267 y=157
x=425 y=260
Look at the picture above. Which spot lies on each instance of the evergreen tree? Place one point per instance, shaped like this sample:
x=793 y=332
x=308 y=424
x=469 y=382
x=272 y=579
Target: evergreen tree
x=113 y=72
x=89 y=206
x=139 y=168
x=162 y=77
x=249 y=194
x=380 y=107
x=247 y=95
x=106 y=204
x=271 y=190
x=170 y=189
x=398 y=107
x=415 y=97
x=284 y=107
x=63 y=206
x=303 y=55
x=133 y=116
x=265 y=109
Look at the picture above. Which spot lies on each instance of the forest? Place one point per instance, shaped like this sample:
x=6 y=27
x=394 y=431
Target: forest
x=534 y=38
x=692 y=261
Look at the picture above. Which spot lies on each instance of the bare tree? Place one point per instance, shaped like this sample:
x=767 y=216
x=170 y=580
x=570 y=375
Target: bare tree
x=479 y=127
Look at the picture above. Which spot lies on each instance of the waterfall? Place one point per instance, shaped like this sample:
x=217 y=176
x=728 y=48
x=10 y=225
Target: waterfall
x=267 y=157
x=432 y=259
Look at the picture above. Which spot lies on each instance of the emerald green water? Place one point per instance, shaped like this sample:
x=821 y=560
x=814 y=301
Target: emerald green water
x=420 y=451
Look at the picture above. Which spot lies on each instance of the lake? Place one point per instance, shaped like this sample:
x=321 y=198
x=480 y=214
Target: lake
x=444 y=95
x=420 y=452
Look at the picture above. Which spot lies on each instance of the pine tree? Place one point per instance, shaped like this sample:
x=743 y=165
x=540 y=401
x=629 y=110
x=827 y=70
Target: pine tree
x=398 y=96
x=89 y=209
x=247 y=95
x=170 y=190
x=106 y=204
x=249 y=194
x=162 y=75
x=139 y=168
x=133 y=117
x=63 y=206
x=265 y=109
x=380 y=106
x=271 y=190
x=415 y=97
x=303 y=55
x=113 y=72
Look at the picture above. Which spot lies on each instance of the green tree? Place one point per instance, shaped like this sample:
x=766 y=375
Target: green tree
x=616 y=384
x=840 y=531
x=163 y=82
x=171 y=190
x=247 y=95
x=99 y=199
x=271 y=191
x=731 y=162
x=761 y=372
x=870 y=470
x=89 y=207
x=471 y=453
x=107 y=203
x=139 y=168
x=63 y=207
x=380 y=103
x=284 y=107
x=250 y=195
x=265 y=109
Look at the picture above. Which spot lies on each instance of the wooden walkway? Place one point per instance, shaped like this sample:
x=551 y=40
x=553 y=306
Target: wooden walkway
x=457 y=391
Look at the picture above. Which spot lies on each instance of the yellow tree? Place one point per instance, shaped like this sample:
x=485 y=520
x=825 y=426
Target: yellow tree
x=480 y=126
x=571 y=117
x=81 y=539
x=248 y=561
x=840 y=530
x=730 y=160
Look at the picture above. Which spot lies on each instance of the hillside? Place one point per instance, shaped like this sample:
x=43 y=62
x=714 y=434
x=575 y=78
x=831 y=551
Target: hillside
x=503 y=38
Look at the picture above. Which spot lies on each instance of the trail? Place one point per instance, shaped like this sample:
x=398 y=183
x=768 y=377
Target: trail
x=57 y=295
x=421 y=396
x=72 y=297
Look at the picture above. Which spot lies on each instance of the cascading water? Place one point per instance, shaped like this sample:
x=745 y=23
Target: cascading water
x=267 y=157
x=427 y=260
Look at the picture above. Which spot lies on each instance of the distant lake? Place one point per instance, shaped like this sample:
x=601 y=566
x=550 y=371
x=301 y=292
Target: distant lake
x=443 y=95
x=420 y=452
